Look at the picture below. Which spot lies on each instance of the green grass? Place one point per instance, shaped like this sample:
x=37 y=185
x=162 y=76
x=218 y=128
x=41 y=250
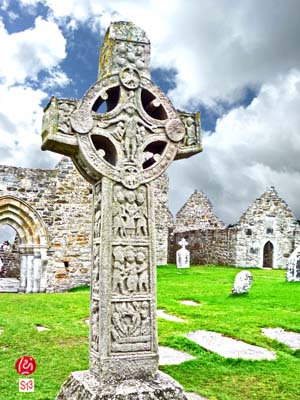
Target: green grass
x=272 y=302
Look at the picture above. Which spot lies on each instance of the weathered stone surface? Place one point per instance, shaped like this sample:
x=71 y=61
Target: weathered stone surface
x=228 y=347
x=183 y=255
x=121 y=151
x=242 y=282
x=293 y=266
x=291 y=339
x=159 y=387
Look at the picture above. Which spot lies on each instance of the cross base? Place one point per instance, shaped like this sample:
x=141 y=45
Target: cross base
x=85 y=385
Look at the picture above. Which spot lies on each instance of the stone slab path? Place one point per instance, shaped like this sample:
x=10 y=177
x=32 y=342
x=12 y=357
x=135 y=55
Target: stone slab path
x=191 y=303
x=168 y=317
x=229 y=348
x=41 y=328
x=169 y=356
x=291 y=339
x=194 y=396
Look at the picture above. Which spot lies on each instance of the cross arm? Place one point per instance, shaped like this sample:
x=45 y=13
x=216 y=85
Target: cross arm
x=57 y=134
x=191 y=143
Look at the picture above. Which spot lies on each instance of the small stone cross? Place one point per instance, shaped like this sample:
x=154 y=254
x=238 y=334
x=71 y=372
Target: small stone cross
x=183 y=243
x=122 y=135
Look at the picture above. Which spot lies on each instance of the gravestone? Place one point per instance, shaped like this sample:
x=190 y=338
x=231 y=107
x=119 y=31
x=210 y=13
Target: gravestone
x=121 y=149
x=183 y=255
x=242 y=282
x=293 y=266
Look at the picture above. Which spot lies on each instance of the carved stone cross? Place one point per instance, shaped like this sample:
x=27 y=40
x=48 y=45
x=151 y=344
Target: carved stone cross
x=122 y=135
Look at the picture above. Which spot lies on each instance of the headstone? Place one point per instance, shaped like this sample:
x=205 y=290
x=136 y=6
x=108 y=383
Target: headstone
x=183 y=255
x=293 y=266
x=121 y=150
x=242 y=282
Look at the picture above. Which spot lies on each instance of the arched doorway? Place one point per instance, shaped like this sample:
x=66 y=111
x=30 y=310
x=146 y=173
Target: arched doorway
x=32 y=241
x=268 y=254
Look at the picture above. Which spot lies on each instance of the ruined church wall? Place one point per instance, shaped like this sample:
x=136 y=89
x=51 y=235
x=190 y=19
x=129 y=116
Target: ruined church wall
x=197 y=213
x=207 y=246
x=163 y=218
x=10 y=261
x=268 y=219
x=63 y=199
x=60 y=197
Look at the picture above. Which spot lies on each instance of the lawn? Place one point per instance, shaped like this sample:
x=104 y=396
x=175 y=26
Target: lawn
x=272 y=302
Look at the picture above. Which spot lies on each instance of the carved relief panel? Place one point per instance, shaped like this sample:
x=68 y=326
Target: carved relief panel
x=130 y=326
x=130 y=271
x=130 y=216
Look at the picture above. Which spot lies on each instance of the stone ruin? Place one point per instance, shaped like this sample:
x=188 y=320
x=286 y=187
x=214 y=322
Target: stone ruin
x=242 y=282
x=50 y=211
x=293 y=266
x=264 y=237
x=120 y=152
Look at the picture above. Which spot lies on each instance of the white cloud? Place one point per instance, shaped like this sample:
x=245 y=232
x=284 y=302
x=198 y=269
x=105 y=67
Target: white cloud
x=251 y=149
x=20 y=127
x=217 y=47
x=24 y=54
x=57 y=78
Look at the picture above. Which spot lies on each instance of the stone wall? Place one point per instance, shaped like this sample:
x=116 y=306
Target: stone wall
x=10 y=267
x=163 y=219
x=197 y=213
x=268 y=228
x=62 y=200
x=207 y=246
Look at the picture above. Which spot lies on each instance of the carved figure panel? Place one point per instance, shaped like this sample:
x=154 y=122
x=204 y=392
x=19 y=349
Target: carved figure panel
x=130 y=270
x=191 y=137
x=130 y=326
x=97 y=210
x=94 y=325
x=130 y=217
x=95 y=269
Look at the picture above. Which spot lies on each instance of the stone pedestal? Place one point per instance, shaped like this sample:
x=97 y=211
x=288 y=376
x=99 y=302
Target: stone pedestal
x=85 y=385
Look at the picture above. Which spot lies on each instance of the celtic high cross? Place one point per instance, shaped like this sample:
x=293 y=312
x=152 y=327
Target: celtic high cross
x=122 y=135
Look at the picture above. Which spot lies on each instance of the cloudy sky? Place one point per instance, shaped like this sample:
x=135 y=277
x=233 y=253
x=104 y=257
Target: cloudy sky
x=237 y=61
